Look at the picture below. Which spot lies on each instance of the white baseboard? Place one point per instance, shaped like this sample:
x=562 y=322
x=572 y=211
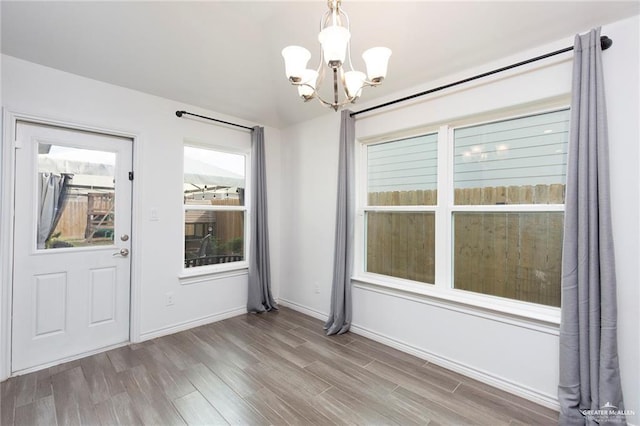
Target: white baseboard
x=303 y=309
x=68 y=359
x=144 y=336
x=148 y=335
x=466 y=370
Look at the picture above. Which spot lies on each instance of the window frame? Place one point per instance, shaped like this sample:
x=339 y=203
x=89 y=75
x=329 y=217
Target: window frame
x=443 y=287
x=225 y=269
x=365 y=208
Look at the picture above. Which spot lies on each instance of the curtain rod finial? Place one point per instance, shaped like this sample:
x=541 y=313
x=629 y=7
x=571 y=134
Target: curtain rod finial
x=605 y=42
x=179 y=113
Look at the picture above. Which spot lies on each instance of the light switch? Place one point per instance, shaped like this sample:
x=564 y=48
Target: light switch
x=154 y=215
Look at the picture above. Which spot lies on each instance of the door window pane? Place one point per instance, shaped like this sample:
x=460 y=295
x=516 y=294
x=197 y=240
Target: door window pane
x=75 y=197
x=517 y=161
x=403 y=172
x=401 y=245
x=513 y=255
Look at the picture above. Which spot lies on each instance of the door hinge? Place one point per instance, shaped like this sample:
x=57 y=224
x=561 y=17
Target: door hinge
x=17 y=144
x=130 y=175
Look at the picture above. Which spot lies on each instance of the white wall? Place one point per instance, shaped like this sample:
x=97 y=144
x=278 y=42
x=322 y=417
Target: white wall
x=309 y=161
x=159 y=135
x=516 y=355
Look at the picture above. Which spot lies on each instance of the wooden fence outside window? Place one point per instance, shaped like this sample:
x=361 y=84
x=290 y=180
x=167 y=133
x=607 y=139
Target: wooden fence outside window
x=513 y=254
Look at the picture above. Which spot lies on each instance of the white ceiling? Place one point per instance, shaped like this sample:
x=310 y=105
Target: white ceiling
x=225 y=55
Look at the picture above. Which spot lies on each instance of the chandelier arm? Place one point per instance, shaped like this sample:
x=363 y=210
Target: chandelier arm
x=321 y=71
x=324 y=102
x=320 y=67
x=334 y=105
x=337 y=104
x=344 y=86
x=324 y=19
x=368 y=83
x=306 y=98
x=349 y=56
x=323 y=22
x=346 y=17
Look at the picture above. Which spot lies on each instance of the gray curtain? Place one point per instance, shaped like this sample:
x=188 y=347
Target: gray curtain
x=259 y=295
x=589 y=372
x=52 y=192
x=340 y=316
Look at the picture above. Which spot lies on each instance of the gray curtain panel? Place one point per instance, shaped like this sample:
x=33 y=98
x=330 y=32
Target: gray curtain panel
x=340 y=316
x=259 y=297
x=589 y=372
x=52 y=192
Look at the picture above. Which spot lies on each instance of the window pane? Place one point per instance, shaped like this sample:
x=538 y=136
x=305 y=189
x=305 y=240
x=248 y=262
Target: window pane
x=403 y=172
x=401 y=245
x=76 y=193
x=212 y=237
x=513 y=255
x=214 y=176
x=519 y=161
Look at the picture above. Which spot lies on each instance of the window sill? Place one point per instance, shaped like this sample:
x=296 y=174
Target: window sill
x=201 y=274
x=525 y=314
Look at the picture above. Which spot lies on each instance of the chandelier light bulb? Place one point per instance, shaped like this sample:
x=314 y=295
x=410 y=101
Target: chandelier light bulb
x=334 y=40
x=307 y=87
x=354 y=82
x=376 y=60
x=295 y=61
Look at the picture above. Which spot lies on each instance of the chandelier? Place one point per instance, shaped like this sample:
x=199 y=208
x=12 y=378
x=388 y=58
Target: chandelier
x=334 y=38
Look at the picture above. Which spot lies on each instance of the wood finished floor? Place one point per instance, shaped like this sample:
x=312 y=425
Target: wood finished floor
x=276 y=368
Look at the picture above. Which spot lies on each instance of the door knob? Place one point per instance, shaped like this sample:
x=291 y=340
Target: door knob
x=123 y=252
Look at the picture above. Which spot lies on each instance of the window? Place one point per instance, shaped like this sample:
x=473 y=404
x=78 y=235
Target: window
x=495 y=207
x=400 y=219
x=76 y=197
x=214 y=207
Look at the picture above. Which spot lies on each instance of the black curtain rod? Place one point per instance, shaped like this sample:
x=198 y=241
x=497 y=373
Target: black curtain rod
x=605 y=43
x=181 y=113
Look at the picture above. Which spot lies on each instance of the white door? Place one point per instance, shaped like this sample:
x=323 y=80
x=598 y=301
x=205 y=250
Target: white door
x=72 y=227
